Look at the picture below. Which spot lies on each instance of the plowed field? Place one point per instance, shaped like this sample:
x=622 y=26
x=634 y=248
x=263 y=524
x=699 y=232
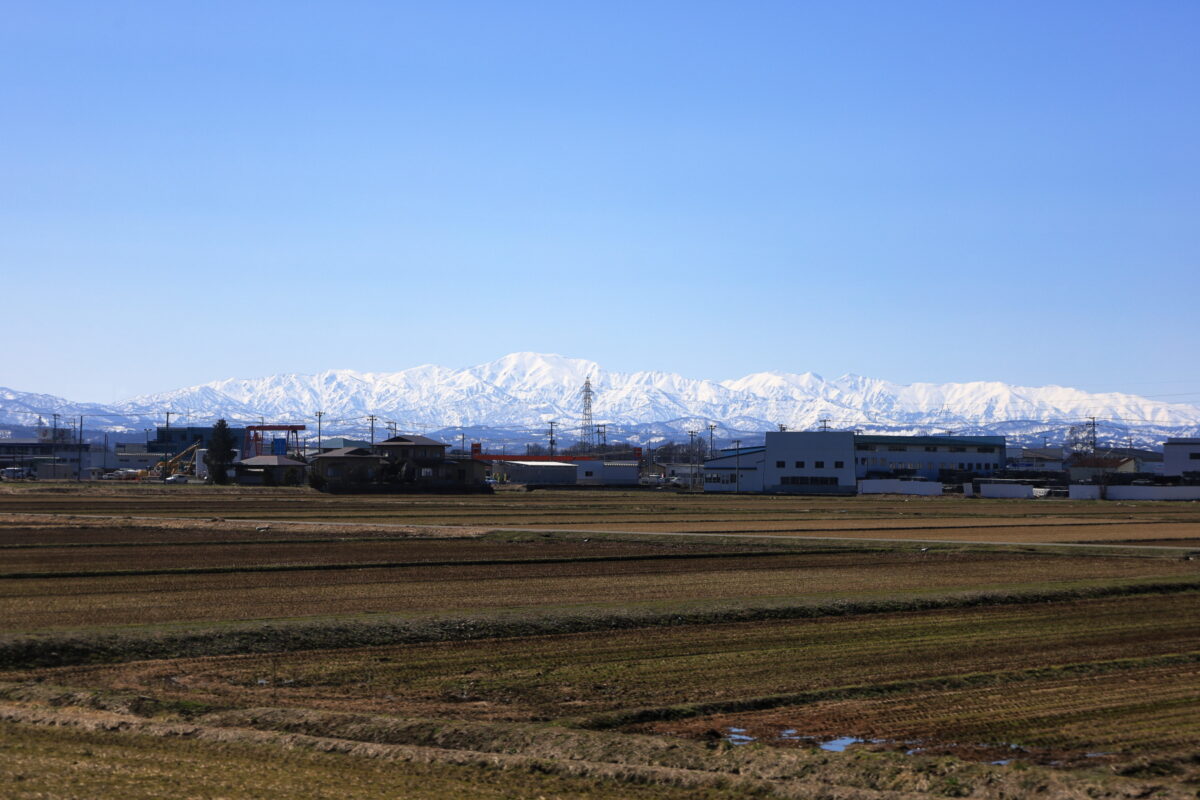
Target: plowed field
x=544 y=677
x=122 y=600
x=561 y=643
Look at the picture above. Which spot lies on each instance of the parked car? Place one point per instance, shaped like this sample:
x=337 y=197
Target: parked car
x=177 y=479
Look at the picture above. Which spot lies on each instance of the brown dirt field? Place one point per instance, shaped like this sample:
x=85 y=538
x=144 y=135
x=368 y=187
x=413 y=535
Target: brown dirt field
x=543 y=507
x=1190 y=544
x=1025 y=532
x=1051 y=719
x=185 y=549
x=542 y=677
x=35 y=604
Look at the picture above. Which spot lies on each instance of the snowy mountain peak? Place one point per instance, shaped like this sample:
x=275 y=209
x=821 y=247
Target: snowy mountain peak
x=527 y=390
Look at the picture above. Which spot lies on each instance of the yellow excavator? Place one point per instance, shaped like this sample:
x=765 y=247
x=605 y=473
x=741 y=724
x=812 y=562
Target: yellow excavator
x=183 y=463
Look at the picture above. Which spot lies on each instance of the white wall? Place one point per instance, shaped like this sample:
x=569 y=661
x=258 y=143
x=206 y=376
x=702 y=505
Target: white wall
x=896 y=486
x=1153 y=493
x=1005 y=490
x=809 y=454
x=607 y=473
x=1083 y=491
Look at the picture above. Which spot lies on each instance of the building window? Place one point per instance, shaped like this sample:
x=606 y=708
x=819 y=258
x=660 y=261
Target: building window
x=961 y=466
x=958 y=449
x=587 y=474
x=807 y=480
x=864 y=447
x=819 y=464
x=799 y=465
x=780 y=464
x=1194 y=456
x=931 y=449
x=897 y=448
x=985 y=449
x=838 y=465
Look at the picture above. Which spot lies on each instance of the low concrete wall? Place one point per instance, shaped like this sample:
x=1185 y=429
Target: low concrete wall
x=1153 y=493
x=1007 y=490
x=1083 y=491
x=896 y=486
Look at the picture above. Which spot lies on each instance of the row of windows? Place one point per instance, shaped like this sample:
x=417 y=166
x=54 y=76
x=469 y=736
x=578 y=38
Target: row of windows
x=816 y=464
x=808 y=480
x=903 y=448
x=928 y=465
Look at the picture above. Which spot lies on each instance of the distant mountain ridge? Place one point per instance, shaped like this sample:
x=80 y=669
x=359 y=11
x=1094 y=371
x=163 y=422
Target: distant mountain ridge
x=527 y=390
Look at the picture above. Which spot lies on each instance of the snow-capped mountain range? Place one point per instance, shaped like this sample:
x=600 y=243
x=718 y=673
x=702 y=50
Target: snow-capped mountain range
x=525 y=391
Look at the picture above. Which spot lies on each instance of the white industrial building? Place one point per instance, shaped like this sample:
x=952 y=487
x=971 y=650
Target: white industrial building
x=537 y=473
x=736 y=469
x=832 y=462
x=927 y=457
x=607 y=473
x=1180 y=456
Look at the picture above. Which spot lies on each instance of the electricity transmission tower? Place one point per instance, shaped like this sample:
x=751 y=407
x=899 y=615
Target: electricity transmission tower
x=587 y=428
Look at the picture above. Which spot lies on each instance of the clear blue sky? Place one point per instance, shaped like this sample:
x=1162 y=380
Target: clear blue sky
x=916 y=191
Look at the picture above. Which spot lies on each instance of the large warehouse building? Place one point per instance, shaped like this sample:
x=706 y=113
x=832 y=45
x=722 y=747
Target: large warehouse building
x=832 y=462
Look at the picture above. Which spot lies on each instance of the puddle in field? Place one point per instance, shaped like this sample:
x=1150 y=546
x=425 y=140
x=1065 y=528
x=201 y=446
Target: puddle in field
x=1000 y=754
x=738 y=736
x=839 y=744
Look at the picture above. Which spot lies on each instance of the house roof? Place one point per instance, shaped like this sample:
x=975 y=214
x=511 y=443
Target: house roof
x=347 y=452
x=271 y=461
x=412 y=439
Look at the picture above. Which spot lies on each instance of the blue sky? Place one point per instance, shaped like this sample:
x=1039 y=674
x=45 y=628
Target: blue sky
x=916 y=191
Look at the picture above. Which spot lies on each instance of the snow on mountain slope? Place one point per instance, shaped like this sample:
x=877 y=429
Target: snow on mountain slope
x=527 y=390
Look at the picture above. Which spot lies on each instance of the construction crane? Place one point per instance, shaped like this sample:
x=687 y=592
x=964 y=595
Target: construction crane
x=174 y=465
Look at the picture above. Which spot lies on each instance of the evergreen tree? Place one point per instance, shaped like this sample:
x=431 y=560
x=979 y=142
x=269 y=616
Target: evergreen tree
x=220 y=452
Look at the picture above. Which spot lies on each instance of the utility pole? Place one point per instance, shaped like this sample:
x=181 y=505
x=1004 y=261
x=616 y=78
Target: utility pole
x=1093 y=434
x=371 y=418
x=782 y=428
x=712 y=426
x=169 y=413
x=553 y=441
x=824 y=424
x=692 y=456
x=79 y=454
x=737 y=467
x=319 y=415
x=54 y=439
x=393 y=427
x=602 y=435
